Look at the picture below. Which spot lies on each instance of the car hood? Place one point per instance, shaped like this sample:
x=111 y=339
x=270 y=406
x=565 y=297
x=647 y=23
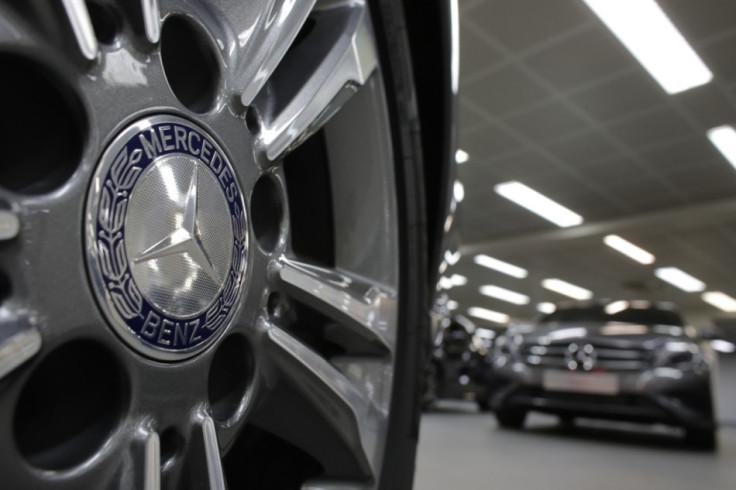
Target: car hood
x=611 y=333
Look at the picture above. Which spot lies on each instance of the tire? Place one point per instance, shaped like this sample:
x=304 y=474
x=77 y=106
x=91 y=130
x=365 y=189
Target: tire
x=510 y=418
x=701 y=439
x=214 y=277
x=484 y=402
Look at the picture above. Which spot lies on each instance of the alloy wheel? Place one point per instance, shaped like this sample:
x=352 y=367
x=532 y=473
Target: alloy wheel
x=201 y=263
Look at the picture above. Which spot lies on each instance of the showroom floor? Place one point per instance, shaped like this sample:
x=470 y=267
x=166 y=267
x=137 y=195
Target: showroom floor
x=461 y=448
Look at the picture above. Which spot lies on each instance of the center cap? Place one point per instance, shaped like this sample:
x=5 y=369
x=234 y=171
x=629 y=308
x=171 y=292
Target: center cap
x=166 y=237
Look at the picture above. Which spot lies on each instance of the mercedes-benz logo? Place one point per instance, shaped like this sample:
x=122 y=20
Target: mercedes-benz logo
x=186 y=238
x=580 y=357
x=166 y=237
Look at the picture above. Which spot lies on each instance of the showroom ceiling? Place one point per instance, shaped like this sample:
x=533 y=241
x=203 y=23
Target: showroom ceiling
x=550 y=98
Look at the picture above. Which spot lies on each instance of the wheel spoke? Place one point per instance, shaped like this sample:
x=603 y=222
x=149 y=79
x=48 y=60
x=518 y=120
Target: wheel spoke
x=349 y=413
x=152 y=468
x=9 y=225
x=151 y=20
x=360 y=305
x=261 y=33
x=81 y=24
x=18 y=344
x=212 y=454
x=317 y=77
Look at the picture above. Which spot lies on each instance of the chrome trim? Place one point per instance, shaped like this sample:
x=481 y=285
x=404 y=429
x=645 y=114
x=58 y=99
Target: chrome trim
x=9 y=225
x=18 y=344
x=152 y=471
x=151 y=20
x=78 y=15
x=212 y=453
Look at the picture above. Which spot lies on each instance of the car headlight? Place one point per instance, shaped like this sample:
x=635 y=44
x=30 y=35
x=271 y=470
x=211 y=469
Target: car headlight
x=679 y=354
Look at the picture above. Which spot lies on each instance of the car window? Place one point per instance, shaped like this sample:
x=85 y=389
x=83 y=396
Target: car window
x=597 y=313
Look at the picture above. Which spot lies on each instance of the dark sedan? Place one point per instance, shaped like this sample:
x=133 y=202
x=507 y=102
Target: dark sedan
x=624 y=360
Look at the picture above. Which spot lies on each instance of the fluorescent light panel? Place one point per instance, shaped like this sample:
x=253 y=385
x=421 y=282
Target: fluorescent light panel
x=461 y=156
x=490 y=315
x=546 y=307
x=539 y=204
x=646 y=31
x=629 y=249
x=720 y=300
x=458 y=280
x=452 y=281
x=724 y=138
x=458 y=191
x=452 y=258
x=680 y=279
x=500 y=266
x=566 y=289
x=504 y=294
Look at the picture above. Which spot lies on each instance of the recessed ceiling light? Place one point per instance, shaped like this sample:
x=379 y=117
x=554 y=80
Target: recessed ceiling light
x=461 y=156
x=452 y=281
x=724 y=138
x=458 y=191
x=629 y=249
x=458 y=280
x=567 y=289
x=452 y=305
x=720 y=300
x=680 y=279
x=500 y=266
x=452 y=258
x=490 y=315
x=546 y=307
x=646 y=31
x=537 y=203
x=504 y=294
x=723 y=346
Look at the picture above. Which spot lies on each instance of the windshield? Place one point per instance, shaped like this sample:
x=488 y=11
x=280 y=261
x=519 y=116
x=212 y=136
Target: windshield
x=597 y=313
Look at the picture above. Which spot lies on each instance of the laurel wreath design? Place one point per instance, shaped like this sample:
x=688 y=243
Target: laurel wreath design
x=220 y=310
x=113 y=205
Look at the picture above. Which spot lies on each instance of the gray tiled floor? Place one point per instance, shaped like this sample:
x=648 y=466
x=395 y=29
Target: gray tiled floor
x=463 y=449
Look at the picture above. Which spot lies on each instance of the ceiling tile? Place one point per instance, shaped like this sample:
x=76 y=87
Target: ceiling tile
x=522 y=24
x=644 y=194
x=589 y=55
x=488 y=141
x=647 y=129
x=718 y=56
x=631 y=92
x=709 y=105
x=683 y=152
x=520 y=165
x=504 y=90
x=637 y=149
x=583 y=148
x=700 y=20
x=546 y=122
x=618 y=171
x=475 y=54
x=466 y=116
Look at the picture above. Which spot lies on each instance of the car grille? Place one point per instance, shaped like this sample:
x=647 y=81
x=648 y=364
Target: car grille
x=607 y=357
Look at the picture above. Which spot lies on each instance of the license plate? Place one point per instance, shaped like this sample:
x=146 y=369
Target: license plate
x=597 y=383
